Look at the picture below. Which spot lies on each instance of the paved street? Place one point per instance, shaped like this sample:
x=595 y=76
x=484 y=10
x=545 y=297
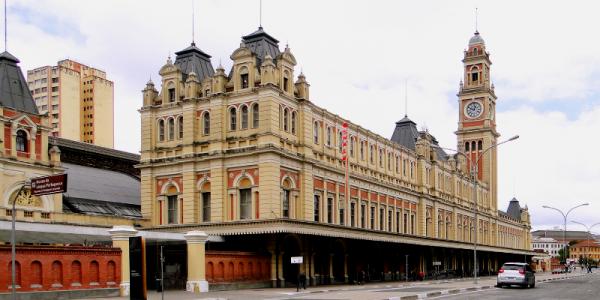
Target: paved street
x=584 y=287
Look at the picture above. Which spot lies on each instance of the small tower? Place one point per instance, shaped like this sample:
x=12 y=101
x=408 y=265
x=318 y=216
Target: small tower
x=150 y=94
x=302 y=87
x=219 y=81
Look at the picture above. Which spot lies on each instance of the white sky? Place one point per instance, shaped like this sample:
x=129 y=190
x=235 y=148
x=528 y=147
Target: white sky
x=356 y=56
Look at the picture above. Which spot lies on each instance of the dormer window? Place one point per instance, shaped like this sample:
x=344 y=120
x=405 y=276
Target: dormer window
x=21 y=141
x=171 y=95
x=244 y=80
x=475 y=52
x=474 y=77
x=285 y=84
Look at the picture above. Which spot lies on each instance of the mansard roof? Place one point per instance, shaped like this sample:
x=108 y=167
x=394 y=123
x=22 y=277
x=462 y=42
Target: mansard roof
x=514 y=209
x=261 y=44
x=406 y=133
x=14 y=92
x=192 y=59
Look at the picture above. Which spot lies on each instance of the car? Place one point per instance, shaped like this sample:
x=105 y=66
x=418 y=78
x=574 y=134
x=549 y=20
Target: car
x=516 y=273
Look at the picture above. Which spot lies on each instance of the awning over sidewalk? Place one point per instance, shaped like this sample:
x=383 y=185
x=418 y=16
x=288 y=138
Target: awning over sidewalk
x=76 y=234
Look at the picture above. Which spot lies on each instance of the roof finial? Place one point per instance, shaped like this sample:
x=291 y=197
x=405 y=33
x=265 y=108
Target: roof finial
x=5 y=28
x=405 y=97
x=476 y=15
x=260 y=14
x=193 y=25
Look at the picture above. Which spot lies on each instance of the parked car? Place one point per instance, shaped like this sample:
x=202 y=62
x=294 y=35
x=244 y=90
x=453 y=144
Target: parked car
x=515 y=273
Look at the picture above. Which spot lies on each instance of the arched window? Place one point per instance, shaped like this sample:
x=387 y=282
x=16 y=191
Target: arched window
x=22 y=141
x=172 y=209
x=17 y=271
x=479 y=145
x=57 y=278
x=316 y=132
x=180 y=127
x=473 y=146
x=474 y=74
x=94 y=272
x=205 y=201
x=245 y=194
x=76 y=273
x=206 y=123
x=255 y=115
x=475 y=51
x=171 y=129
x=381 y=157
x=232 y=119
x=285 y=198
x=161 y=130
x=285 y=119
x=293 y=122
x=328 y=136
x=244 y=117
x=35 y=275
x=467 y=147
x=111 y=273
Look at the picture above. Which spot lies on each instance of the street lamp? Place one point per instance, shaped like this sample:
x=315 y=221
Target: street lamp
x=565 y=228
x=589 y=231
x=474 y=172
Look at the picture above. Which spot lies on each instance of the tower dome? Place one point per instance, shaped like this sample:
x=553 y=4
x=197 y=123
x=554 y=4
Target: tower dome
x=476 y=39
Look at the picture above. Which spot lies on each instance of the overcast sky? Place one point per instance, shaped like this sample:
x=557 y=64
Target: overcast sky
x=356 y=56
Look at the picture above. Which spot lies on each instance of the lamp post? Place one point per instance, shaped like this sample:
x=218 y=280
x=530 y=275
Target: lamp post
x=473 y=172
x=589 y=231
x=565 y=226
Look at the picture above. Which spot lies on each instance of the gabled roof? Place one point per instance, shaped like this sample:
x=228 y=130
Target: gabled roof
x=14 y=92
x=192 y=59
x=406 y=133
x=261 y=43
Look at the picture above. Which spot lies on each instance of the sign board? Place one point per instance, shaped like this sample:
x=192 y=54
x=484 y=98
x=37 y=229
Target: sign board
x=137 y=268
x=54 y=184
x=297 y=259
x=437 y=263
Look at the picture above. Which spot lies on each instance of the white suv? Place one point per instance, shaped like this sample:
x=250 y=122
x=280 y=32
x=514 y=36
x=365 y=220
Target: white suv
x=515 y=273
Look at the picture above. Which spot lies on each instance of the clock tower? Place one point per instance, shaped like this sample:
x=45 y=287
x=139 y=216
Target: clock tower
x=477 y=116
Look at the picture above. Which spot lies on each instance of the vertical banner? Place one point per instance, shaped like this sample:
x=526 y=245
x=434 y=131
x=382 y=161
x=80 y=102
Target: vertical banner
x=137 y=268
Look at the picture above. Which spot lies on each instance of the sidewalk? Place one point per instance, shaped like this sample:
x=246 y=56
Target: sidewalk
x=381 y=290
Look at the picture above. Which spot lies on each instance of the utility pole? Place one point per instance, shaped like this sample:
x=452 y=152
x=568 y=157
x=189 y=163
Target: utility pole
x=406 y=269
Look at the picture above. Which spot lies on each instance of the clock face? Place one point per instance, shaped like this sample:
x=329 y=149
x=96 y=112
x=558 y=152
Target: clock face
x=473 y=109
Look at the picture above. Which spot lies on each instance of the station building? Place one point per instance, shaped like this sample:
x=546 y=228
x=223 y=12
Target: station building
x=247 y=155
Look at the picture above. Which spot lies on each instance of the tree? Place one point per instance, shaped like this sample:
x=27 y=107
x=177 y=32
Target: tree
x=561 y=256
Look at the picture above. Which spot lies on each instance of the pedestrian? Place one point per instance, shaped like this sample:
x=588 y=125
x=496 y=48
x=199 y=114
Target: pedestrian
x=302 y=280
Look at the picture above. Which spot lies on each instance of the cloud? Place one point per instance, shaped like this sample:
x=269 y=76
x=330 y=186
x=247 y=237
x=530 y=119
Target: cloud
x=356 y=56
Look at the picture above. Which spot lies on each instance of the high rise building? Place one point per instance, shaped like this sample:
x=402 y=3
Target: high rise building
x=78 y=99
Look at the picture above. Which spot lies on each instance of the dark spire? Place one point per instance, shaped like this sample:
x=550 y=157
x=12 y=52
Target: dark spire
x=261 y=43
x=406 y=133
x=14 y=92
x=514 y=209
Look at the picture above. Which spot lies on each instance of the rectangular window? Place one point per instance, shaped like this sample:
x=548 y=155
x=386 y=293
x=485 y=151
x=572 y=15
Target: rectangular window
x=412 y=223
x=285 y=205
x=390 y=220
x=342 y=212
x=397 y=221
x=172 y=95
x=381 y=218
x=329 y=210
x=405 y=218
x=206 y=207
x=172 y=209
x=55 y=89
x=285 y=84
x=363 y=211
x=352 y=214
x=244 y=79
x=372 y=217
x=317 y=204
x=245 y=204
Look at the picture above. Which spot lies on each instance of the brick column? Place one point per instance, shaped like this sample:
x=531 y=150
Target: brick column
x=120 y=237
x=196 y=277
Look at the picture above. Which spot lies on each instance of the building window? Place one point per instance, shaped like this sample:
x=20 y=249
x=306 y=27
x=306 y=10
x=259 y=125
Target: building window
x=244 y=80
x=285 y=83
x=285 y=119
x=362 y=150
x=390 y=220
x=180 y=127
x=285 y=203
x=206 y=123
x=172 y=209
x=245 y=204
x=475 y=51
x=316 y=132
x=398 y=221
x=232 y=119
x=352 y=147
x=372 y=217
x=21 y=141
x=172 y=95
x=293 y=122
x=317 y=204
x=328 y=136
x=255 y=115
x=371 y=155
x=405 y=218
x=244 y=117
x=352 y=214
x=205 y=207
x=342 y=211
x=380 y=157
x=381 y=218
x=329 y=210
x=363 y=211
x=171 y=129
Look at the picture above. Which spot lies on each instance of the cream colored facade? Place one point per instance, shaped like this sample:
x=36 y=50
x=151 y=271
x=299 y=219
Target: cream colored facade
x=253 y=146
x=78 y=99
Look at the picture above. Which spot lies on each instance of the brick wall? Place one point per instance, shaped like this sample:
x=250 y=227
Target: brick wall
x=227 y=267
x=46 y=268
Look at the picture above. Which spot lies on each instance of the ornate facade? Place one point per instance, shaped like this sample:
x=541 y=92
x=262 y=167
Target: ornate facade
x=248 y=153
